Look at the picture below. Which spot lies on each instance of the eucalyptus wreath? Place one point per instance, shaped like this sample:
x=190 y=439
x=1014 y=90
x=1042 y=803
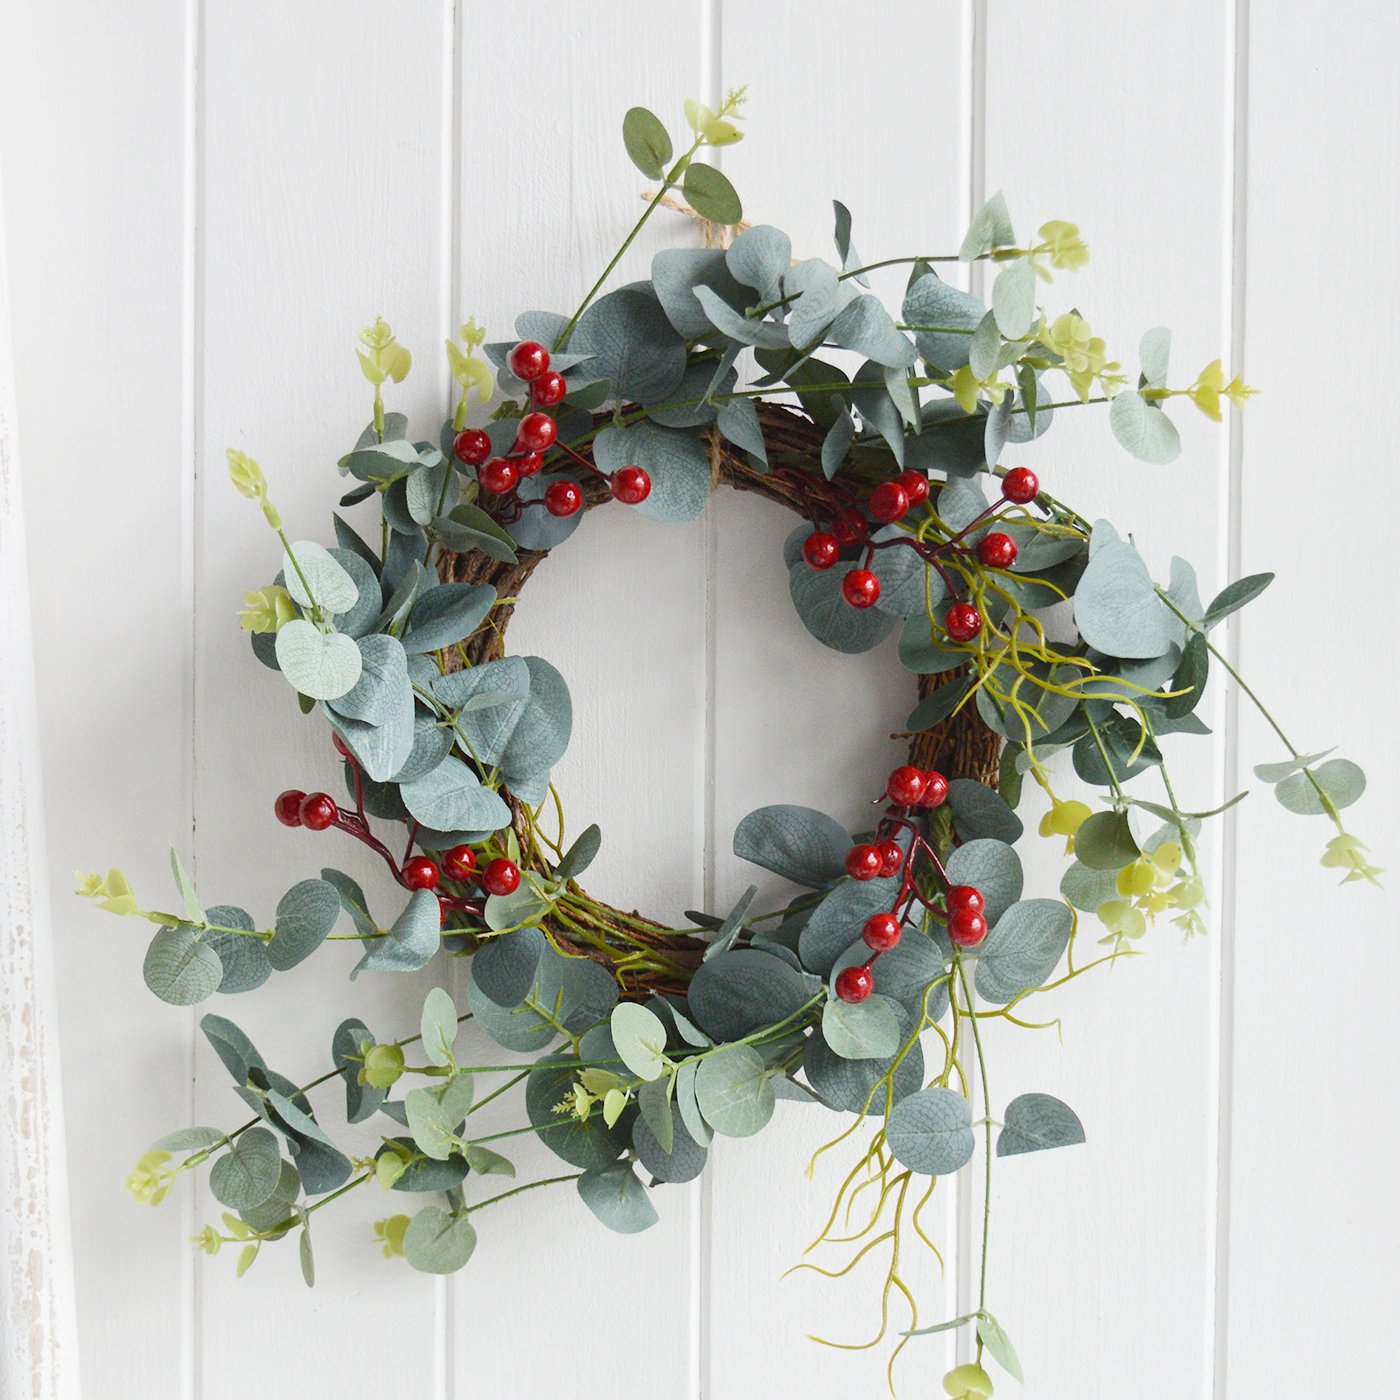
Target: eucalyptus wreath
x=630 y=1043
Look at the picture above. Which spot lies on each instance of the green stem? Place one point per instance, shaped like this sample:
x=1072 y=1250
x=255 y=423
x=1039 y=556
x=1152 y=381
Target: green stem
x=987 y=1107
x=349 y=1186
x=1103 y=753
x=530 y=1186
x=496 y=1093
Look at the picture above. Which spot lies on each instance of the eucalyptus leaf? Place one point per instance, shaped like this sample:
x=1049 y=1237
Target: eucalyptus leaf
x=242 y=957
x=232 y=1046
x=799 y=843
x=648 y=144
x=711 y=195
x=505 y=967
x=451 y=798
x=1034 y=1122
x=618 y=1199
x=1143 y=429
x=855 y=1086
x=980 y=813
x=734 y=1091
x=640 y=1038
x=1235 y=596
x=438 y=1026
x=305 y=915
x=993 y=868
x=683 y=1161
x=631 y=341
x=1339 y=778
x=590 y=1145
x=179 y=968
x=674 y=459
x=817 y=596
x=447 y=614
x=931 y=1132
x=438 y=1243
x=867 y=1030
x=247 y=1175
x=412 y=940
x=322 y=665
x=580 y=855
x=1116 y=607
x=331 y=588
x=838 y=920
x=1105 y=841
x=736 y=992
x=1022 y=949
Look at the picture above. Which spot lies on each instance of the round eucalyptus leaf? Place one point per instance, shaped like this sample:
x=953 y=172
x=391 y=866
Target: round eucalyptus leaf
x=447 y=614
x=674 y=459
x=847 y=1084
x=675 y=273
x=838 y=919
x=305 y=915
x=332 y=588
x=867 y=1030
x=825 y=613
x=451 y=798
x=993 y=868
x=1105 y=841
x=379 y=694
x=1022 y=949
x=908 y=586
x=799 y=843
x=920 y=652
x=979 y=812
x=438 y=1243
x=760 y=258
x=179 y=968
x=237 y=1052
x=1034 y=1122
x=504 y=968
x=689 y=1106
x=618 y=1199
x=930 y=301
x=542 y=730
x=640 y=1038
x=647 y=141
x=734 y=1091
x=243 y=958
x=323 y=665
x=631 y=342
x=537 y=528
x=1339 y=778
x=906 y=972
x=737 y=992
x=425 y=1174
x=247 y=1175
x=370 y=601
x=1143 y=429
x=590 y=1144
x=412 y=940
x=1116 y=607
x=1087 y=888
x=931 y=1132
x=711 y=195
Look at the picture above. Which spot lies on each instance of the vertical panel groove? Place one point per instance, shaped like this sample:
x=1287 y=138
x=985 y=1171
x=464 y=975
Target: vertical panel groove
x=192 y=332
x=1225 y=1027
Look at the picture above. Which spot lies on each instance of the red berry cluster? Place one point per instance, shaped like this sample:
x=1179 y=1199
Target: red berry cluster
x=907 y=788
x=317 y=811
x=536 y=434
x=893 y=500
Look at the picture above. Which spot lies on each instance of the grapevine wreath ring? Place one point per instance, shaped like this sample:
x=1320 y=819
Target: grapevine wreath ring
x=633 y=1043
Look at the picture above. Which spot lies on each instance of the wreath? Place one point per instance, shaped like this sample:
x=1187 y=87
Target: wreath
x=632 y=1042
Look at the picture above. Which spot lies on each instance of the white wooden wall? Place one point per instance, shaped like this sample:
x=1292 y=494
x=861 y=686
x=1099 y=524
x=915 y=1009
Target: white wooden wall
x=205 y=200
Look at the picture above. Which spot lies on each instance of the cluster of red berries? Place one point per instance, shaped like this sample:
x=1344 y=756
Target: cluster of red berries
x=891 y=501
x=907 y=787
x=317 y=810
x=535 y=435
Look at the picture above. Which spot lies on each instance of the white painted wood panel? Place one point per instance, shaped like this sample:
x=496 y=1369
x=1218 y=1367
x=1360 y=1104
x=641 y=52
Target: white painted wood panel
x=239 y=197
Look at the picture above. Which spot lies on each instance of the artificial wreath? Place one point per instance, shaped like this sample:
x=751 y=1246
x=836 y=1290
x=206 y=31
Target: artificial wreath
x=630 y=1042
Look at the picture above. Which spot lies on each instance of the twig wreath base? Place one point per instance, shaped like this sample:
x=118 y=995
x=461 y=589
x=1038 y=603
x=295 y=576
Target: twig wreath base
x=632 y=1043
x=961 y=746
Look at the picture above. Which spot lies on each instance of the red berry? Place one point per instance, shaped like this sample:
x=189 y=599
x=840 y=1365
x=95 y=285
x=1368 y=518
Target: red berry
x=528 y=360
x=888 y=502
x=891 y=857
x=471 y=446
x=318 y=811
x=459 y=863
x=860 y=588
x=420 y=873
x=536 y=433
x=915 y=486
x=288 y=807
x=997 y=551
x=966 y=928
x=631 y=485
x=881 y=932
x=549 y=388
x=854 y=984
x=1020 y=485
x=965 y=897
x=863 y=862
x=963 y=622
x=849 y=529
x=906 y=786
x=527 y=464
x=502 y=876
x=496 y=476
x=821 y=550
x=935 y=789
x=563 y=498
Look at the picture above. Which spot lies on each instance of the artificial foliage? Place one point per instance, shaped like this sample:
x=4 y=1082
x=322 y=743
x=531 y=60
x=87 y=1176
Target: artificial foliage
x=626 y=1043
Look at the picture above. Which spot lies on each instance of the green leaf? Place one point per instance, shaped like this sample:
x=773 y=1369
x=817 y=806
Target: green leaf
x=1116 y=606
x=447 y=614
x=580 y=855
x=385 y=461
x=438 y=1243
x=1023 y=948
x=867 y=328
x=999 y=1344
x=352 y=902
x=1277 y=772
x=544 y=726
x=631 y=342
x=305 y=915
x=980 y=813
x=1234 y=596
x=510 y=911
x=1143 y=429
x=930 y=1132
x=1086 y=888
x=837 y=920
x=179 y=968
x=799 y=843
x=1035 y=1122
x=930 y=301
x=733 y=1090
x=1191 y=675
x=1013 y=300
x=1339 y=778
x=349 y=1046
x=434 y=1115
x=640 y=1038
x=937 y=705
x=654 y=1100
x=825 y=613
x=247 y=1176
x=333 y=589
x=648 y=144
x=574 y=993
x=321 y=665
x=990 y=228
x=451 y=798
x=1154 y=351
x=194 y=912
x=237 y=1052
x=591 y=1144
x=850 y=259
x=684 y=1158
x=244 y=959
x=188 y=1140
x=711 y=195
x=847 y=1084
x=504 y=968
x=439 y=1026
x=618 y=1199
x=1105 y=842
x=415 y=936
x=484 y=1162
x=867 y=1030
x=738 y=991
x=382 y=689
x=473 y=518
x=992 y=867
x=308 y=1262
